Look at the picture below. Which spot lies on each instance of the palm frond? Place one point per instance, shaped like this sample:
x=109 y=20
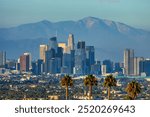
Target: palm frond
x=67 y=81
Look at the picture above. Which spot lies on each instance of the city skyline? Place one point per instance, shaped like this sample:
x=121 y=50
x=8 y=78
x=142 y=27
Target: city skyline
x=79 y=58
x=74 y=64
x=109 y=38
x=75 y=50
x=134 y=13
x=44 y=47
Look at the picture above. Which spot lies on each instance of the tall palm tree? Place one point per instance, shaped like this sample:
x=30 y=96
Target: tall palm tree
x=133 y=89
x=109 y=82
x=66 y=81
x=90 y=81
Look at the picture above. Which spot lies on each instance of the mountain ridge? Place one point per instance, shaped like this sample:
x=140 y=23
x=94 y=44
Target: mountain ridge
x=110 y=36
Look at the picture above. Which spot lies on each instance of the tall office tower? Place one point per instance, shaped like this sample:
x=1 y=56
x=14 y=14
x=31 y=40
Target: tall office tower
x=137 y=65
x=40 y=66
x=109 y=66
x=72 y=60
x=90 y=57
x=117 y=67
x=2 y=58
x=71 y=42
x=49 y=54
x=129 y=62
x=30 y=59
x=96 y=68
x=81 y=45
x=24 y=63
x=80 y=59
x=145 y=67
x=34 y=68
x=66 y=66
x=37 y=67
x=43 y=48
x=59 y=53
x=53 y=44
x=54 y=65
x=58 y=64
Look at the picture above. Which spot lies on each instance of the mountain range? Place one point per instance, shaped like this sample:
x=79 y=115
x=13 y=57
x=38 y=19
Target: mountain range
x=110 y=38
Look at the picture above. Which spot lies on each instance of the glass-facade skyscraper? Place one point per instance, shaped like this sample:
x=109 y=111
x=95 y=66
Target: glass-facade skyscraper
x=48 y=55
x=53 y=43
x=145 y=67
x=109 y=66
x=80 y=58
x=90 y=57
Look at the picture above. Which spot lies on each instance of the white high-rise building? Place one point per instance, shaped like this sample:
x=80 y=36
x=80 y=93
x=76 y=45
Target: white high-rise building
x=2 y=58
x=129 y=62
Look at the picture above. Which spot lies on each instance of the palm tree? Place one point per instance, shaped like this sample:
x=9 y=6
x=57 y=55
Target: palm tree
x=109 y=82
x=133 y=89
x=66 y=81
x=90 y=81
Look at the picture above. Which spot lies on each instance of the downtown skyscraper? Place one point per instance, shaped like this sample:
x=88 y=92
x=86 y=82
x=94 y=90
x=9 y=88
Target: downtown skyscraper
x=137 y=65
x=43 y=48
x=2 y=58
x=68 y=59
x=129 y=62
x=53 y=44
x=53 y=57
x=145 y=67
x=71 y=42
x=24 y=63
x=90 y=57
x=80 y=58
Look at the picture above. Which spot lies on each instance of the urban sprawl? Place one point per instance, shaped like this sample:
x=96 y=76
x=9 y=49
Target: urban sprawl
x=69 y=71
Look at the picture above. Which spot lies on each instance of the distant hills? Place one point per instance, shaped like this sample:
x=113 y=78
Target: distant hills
x=109 y=38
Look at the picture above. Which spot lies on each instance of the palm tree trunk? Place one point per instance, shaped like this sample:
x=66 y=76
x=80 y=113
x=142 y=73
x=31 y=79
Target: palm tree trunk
x=108 y=93
x=86 y=91
x=66 y=92
x=90 y=91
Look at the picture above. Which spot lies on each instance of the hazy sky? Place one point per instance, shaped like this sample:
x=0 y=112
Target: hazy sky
x=132 y=12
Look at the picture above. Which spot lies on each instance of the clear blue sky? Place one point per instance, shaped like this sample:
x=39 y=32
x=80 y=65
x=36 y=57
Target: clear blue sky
x=132 y=12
